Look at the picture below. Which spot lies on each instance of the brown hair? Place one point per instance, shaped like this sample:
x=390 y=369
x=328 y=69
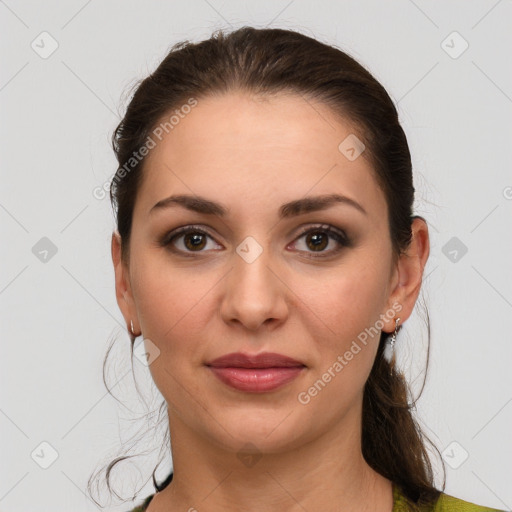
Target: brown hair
x=268 y=61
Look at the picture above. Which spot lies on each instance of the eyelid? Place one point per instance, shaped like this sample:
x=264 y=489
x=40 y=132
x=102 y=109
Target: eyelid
x=323 y=227
x=175 y=233
x=337 y=234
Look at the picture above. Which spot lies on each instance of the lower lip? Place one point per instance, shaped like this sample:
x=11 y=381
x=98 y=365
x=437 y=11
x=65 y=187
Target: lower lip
x=256 y=380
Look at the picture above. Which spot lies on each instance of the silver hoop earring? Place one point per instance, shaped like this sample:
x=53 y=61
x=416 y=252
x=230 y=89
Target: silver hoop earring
x=389 y=349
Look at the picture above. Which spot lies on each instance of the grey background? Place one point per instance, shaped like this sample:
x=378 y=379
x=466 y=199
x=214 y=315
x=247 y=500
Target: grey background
x=59 y=310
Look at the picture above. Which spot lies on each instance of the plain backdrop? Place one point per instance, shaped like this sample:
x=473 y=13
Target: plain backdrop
x=65 y=70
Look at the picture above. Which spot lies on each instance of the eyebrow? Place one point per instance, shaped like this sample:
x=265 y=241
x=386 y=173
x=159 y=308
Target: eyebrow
x=293 y=208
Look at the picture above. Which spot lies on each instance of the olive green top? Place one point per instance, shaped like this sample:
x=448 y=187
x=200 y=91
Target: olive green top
x=445 y=503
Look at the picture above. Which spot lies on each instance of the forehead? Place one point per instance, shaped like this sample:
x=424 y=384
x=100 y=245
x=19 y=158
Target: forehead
x=239 y=146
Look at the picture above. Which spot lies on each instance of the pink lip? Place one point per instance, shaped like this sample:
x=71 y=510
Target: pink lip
x=255 y=373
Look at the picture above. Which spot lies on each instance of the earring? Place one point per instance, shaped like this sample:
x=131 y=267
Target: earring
x=389 y=350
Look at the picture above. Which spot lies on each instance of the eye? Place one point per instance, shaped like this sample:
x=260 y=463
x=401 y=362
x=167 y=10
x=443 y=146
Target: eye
x=190 y=239
x=187 y=239
x=317 y=239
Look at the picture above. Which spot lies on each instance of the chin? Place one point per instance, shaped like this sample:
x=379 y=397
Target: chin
x=270 y=431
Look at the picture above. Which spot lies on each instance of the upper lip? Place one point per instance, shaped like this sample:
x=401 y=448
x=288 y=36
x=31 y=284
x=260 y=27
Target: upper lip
x=263 y=360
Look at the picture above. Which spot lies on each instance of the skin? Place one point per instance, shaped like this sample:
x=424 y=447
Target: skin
x=252 y=154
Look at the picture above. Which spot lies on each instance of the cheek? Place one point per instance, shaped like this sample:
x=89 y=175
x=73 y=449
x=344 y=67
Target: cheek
x=350 y=305
x=173 y=305
x=166 y=293
x=352 y=301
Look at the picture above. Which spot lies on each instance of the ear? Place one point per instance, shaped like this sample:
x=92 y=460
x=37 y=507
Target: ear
x=408 y=274
x=124 y=294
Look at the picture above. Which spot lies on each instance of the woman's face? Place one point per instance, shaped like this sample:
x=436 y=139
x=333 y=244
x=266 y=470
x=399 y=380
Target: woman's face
x=249 y=280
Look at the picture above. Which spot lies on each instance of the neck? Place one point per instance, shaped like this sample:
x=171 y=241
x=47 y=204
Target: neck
x=328 y=473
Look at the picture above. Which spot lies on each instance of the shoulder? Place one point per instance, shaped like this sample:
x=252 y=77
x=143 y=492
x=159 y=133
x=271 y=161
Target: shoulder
x=444 y=503
x=447 y=503
x=159 y=487
x=143 y=506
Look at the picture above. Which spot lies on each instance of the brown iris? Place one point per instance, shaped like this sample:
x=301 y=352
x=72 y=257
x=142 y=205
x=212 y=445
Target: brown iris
x=316 y=238
x=198 y=240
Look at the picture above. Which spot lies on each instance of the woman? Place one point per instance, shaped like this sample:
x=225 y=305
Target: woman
x=267 y=253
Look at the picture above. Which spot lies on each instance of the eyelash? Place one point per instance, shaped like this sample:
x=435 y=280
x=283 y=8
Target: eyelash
x=339 y=236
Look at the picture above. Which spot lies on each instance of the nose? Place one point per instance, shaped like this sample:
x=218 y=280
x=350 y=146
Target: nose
x=254 y=292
